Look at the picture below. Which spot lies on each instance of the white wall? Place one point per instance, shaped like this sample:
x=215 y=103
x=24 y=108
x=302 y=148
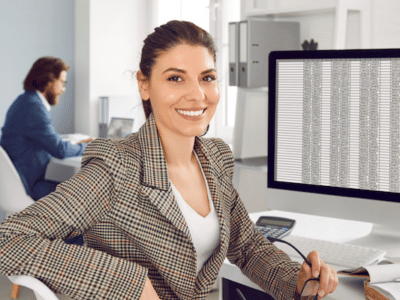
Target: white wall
x=109 y=37
x=385 y=24
x=30 y=29
x=100 y=40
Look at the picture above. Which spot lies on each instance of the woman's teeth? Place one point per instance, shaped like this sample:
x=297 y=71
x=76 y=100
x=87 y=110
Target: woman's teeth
x=190 y=113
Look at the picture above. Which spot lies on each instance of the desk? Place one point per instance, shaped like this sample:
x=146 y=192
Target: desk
x=349 y=288
x=60 y=170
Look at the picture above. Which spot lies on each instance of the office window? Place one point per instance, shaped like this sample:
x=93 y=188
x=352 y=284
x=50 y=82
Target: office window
x=197 y=12
x=221 y=13
x=213 y=16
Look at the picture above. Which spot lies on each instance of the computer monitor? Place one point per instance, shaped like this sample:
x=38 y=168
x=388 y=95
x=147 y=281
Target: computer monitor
x=334 y=134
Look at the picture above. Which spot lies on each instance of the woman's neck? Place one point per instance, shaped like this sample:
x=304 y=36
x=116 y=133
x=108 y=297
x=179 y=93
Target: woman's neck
x=177 y=150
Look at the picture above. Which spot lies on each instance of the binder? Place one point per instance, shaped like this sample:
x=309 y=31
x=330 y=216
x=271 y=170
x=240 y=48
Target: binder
x=233 y=54
x=257 y=38
x=243 y=56
x=104 y=109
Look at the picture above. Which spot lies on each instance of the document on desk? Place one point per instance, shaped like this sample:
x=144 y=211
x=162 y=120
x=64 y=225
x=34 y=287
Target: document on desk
x=376 y=273
x=383 y=280
x=382 y=291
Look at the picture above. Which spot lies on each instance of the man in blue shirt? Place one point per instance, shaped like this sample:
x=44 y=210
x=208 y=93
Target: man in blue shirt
x=28 y=135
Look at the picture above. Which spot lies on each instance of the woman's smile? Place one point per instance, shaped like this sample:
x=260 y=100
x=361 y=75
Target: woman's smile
x=191 y=113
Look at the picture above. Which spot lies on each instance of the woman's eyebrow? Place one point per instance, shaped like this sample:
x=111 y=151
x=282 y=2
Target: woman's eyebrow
x=209 y=71
x=184 y=72
x=175 y=70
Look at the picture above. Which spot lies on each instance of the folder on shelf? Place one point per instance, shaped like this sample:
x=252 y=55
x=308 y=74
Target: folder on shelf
x=243 y=65
x=233 y=54
x=255 y=40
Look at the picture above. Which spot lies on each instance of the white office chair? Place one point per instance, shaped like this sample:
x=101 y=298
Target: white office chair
x=13 y=197
x=41 y=291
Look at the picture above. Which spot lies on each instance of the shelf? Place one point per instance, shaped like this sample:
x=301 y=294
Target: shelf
x=340 y=9
x=283 y=12
x=327 y=7
x=259 y=163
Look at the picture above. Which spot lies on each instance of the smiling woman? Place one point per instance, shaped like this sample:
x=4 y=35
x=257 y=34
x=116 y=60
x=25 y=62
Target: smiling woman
x=182 y=94
x=158 y=208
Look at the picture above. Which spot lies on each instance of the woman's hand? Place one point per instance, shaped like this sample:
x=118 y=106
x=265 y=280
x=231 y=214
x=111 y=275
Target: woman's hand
x=149 y=292
x=328 y=280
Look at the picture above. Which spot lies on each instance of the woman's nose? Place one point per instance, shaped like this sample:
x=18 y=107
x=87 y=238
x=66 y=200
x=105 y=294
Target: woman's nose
x=196 y=92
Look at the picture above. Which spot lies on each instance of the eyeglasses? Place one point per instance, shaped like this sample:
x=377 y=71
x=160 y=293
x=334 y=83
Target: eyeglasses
x=63 y=82
x=311 y=286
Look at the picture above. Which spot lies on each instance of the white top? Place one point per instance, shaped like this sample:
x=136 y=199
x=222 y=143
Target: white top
x=44 y=101
x=205 y=231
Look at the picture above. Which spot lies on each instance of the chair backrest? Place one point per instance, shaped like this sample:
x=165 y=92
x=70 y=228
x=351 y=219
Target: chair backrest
x=13 y=197
x=41 y=291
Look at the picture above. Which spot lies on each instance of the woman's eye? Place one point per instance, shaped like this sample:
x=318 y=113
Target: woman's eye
x=175 y=78
x=209 y=78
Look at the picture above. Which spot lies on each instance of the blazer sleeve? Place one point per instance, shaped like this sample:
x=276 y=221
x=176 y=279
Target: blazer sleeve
x=259 y=260
x=31 y=242
x=41 y=131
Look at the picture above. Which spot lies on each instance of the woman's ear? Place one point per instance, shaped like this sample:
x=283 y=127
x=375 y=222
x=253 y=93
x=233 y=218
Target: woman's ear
x=143 y=84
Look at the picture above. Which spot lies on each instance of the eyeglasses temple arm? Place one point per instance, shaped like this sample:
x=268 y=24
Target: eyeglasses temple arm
x=271 y=239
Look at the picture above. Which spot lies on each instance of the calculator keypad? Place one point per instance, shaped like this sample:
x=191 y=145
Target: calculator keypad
x=272 y=231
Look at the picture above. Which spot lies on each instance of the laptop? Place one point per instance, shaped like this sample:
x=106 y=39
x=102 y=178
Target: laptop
x=119 y=128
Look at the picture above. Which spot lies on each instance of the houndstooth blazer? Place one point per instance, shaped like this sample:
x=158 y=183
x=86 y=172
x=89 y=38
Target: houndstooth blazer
x=122 y=202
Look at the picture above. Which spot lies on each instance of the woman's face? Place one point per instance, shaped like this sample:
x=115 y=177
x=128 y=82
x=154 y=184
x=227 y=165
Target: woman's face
x=183 y=90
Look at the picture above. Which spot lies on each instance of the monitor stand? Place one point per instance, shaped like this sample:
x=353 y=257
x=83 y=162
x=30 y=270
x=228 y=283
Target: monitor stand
x=384 y=238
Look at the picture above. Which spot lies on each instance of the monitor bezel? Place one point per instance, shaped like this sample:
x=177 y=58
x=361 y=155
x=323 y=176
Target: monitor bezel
x=310 y=188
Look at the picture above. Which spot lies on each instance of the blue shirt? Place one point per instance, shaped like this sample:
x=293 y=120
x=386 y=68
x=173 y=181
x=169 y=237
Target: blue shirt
x=30 y=139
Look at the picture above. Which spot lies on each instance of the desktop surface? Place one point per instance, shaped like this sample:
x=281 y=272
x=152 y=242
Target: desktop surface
x=60 y=170
x=331 y=229
x=349 y=288
x=74 y=138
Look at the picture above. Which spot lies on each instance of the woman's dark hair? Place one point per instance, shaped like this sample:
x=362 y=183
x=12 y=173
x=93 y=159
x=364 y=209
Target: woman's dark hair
x=43 y=71
x=166 y=37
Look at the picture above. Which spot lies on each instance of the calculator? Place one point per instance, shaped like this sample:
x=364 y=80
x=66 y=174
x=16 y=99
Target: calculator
x=276 y=227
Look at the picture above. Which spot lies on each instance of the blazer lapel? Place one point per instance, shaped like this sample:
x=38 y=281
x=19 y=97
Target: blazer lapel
x=156 y=186
x=155 y=176
x=214 y=171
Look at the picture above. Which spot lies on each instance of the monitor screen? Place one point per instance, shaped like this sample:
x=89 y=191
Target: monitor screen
x=334 y=122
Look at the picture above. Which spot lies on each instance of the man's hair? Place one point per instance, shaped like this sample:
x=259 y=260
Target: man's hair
x=43 y=71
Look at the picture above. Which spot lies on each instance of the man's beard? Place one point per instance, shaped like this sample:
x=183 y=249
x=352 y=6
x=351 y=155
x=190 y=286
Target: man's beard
x=51 y=98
